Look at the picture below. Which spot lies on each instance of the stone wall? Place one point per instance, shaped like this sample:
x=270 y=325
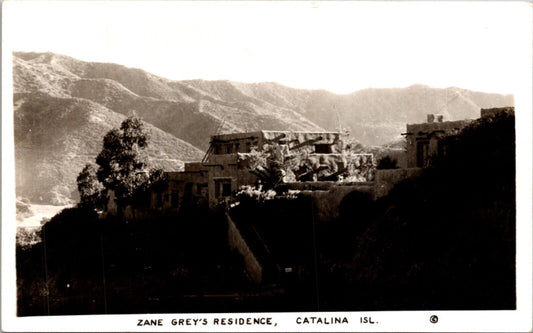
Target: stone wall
x=236 y=241
x=487 y=113
x=180 y=187
x=386 y=179
x=231 y=174
x=327 y=196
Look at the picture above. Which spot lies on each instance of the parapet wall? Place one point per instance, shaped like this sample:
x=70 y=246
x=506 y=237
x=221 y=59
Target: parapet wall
x=385 y=180
x=327 y=196
x=327 y=186
x=236 y=241
x=487 y=113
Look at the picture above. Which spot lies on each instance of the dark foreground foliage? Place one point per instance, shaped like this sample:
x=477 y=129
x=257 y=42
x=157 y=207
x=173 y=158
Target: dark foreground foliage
x=444 y=240
x=90 y=266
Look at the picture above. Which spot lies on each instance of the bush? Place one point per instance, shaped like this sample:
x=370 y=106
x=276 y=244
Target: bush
x=23 y=208
x=27 y=237
x=387 y=163
x=248 y=192
x=446 y=240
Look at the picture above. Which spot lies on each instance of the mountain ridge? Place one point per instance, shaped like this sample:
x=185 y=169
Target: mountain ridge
x=184 y=114
x=46 y=165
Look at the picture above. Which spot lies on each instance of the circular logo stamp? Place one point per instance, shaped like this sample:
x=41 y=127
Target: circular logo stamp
x=433 y=319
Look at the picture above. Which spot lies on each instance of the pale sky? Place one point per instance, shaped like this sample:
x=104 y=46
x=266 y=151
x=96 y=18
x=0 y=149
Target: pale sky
x=337 y=46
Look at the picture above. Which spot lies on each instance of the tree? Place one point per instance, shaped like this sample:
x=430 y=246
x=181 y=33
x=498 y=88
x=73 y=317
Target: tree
x=122 y=164
x=272 y=165
x=89 y=187
x=468 y=248
x=275 y=164
x=387 y=163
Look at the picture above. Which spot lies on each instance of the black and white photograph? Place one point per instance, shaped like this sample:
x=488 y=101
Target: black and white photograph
x=266 y=166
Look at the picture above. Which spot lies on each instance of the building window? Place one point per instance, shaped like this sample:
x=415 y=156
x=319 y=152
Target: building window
x=188 y=190
x=229 y=148
x=237 y=146
x=174 y=199
x=222 y=187
x=218 y=149
x=323 y=148
x=202 y=190
x=226 y=189
x=441 y=149
x=422 y=153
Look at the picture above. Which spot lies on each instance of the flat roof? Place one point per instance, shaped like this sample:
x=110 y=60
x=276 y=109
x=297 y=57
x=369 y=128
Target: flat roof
x=443 y=123
x=258 y=133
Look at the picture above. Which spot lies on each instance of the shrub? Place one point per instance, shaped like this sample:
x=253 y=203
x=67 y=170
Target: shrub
x=248 y=193
x=387 y=163
x=28 y=236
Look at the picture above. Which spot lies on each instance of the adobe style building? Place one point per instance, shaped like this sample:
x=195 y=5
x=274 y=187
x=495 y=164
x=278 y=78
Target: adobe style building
x=225 y=166
x=224 y=169
x=424 y=141
x=423 y=144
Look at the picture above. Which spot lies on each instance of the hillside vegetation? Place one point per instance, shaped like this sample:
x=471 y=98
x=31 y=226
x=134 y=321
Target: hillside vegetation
x=55 y=137
x=64 y=106
x=442 y=241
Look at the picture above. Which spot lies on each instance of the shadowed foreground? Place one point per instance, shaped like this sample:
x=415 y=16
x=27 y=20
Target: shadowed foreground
x=444 y=240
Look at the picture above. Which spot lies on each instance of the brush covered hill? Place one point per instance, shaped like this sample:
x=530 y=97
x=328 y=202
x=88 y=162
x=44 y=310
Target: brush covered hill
x=55 y=137
x=194 y=109
x=189 y=110
x=63 y=107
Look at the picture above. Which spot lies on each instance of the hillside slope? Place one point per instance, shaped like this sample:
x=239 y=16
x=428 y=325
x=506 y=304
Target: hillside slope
x=55 y=137
x=187 y=110
x=377 y=116
x=64 y=106
x=193 y=110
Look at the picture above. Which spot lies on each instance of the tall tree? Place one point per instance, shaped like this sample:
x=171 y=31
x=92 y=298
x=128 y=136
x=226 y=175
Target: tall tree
x=123 y=165
x=89 y=187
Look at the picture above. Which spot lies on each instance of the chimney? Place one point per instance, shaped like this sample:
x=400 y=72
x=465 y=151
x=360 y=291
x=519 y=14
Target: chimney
x=432 y=118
